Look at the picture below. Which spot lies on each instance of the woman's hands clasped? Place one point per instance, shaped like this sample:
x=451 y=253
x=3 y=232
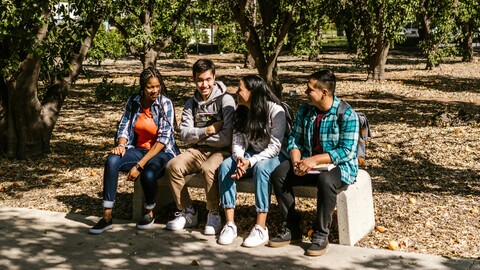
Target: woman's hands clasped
x=242 y=166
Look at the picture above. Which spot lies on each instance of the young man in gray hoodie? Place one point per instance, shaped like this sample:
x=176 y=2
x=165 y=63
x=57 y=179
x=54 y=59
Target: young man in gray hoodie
x=207 y=127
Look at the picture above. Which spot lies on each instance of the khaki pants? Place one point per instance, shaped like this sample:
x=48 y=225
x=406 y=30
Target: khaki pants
x=203 y=160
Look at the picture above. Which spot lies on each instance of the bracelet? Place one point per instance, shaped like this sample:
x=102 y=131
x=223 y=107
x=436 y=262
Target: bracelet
x=122 y=144
x=138 y=167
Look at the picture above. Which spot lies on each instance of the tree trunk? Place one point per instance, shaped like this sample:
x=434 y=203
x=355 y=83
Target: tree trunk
x=149 y=58
x=270 y=75
x=467 y=40
x=28 y=123
x=248 y=61
x=265 y=58
x=377 y=61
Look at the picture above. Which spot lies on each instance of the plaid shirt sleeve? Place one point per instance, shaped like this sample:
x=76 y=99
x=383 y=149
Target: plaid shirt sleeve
x=346 y=149
x=296 y=138
x=165 y=128
x=123 y=127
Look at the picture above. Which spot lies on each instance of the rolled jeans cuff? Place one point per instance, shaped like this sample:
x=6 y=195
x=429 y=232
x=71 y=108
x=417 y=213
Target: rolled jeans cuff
x=108 y=204
x=229 y=206
x=262 y=210
x=150 y=206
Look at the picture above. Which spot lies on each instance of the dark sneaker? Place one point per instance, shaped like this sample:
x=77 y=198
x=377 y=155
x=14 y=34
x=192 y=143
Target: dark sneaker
x=101 y=226
x=318 y=247
x=285 y=237
x=146 y=222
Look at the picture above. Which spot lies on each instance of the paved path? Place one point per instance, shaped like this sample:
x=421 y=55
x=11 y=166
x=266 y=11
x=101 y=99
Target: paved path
x=34 y=239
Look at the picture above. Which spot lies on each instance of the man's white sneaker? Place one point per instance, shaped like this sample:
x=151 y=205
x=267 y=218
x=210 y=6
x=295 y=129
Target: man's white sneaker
x=185 y=219
x=214 y=223
x=228 y=234
x=258 y=236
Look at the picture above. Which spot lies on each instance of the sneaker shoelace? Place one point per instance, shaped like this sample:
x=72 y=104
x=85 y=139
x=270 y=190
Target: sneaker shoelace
x=283 y=233
x=255 y=230
x=228 y=227
x=318 y=241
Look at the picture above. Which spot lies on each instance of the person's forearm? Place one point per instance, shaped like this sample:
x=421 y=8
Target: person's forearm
x=295 y=155
x=122 y=141
x=322 y=158
x=156 y=148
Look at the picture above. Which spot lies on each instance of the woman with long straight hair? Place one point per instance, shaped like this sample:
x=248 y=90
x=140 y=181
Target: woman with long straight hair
x=259 y=125
x=145 y=144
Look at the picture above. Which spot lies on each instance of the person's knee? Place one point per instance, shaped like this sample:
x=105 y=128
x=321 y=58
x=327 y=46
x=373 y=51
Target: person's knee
x=149 y=176
x=111 y=160
x=173 y=166
x=225 y=166
x=208 y=173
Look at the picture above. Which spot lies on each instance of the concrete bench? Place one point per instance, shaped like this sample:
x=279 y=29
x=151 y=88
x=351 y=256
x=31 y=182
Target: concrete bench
x=354 y=206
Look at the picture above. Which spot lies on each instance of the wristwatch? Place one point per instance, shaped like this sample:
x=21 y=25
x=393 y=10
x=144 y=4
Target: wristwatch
x=138 y=167
x=122 y=144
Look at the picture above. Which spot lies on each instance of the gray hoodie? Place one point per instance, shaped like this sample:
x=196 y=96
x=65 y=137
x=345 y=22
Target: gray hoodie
x=191 y=134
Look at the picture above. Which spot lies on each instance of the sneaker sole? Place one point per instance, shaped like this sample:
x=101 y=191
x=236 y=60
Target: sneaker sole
x=317 y=252
x=145 y=226
x=226 y=243
x=99 y=231
x=257 y=245
x=210 y=231
x=282 y=244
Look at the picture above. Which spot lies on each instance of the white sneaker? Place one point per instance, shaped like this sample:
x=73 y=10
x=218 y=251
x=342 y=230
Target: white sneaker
x=228 y=234
x=258 y=236
x=214 y=223
x=185 y=219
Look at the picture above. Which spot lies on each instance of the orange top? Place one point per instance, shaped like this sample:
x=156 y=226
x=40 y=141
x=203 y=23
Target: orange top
x=146 y=129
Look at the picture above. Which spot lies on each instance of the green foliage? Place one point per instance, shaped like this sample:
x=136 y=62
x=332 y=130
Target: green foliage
x=155 y=34
x=437 y=17
x=305 y=37
x=179 y=46
x=19 y=21
x=373 y=22
x=108 y=91
x=229 y=38
x=107 y=44
x=66 y=21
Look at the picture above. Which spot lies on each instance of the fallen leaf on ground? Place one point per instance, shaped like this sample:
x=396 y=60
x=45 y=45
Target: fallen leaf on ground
x=381 y=229
x=63 y=160
x=393 y=245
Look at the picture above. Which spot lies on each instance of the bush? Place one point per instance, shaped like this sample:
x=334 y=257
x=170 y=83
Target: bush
x=107 y=44
x=108 y=91
x=229 y=39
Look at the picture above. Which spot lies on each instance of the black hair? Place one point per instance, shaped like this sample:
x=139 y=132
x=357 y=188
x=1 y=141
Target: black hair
x=254 y=121
x=203 y=65
x=146 y=75
x=324 y=79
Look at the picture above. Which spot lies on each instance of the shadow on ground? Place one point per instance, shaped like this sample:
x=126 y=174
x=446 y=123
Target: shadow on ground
x=40 y=240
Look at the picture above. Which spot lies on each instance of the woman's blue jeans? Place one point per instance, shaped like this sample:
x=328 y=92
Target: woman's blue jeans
x=261 y=179
x=153 y=170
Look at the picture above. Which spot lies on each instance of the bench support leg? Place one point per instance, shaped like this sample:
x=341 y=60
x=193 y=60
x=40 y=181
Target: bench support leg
x=355 y=211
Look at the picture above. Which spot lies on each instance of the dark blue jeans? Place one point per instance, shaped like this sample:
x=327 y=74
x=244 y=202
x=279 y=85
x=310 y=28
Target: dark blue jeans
x=148 y=177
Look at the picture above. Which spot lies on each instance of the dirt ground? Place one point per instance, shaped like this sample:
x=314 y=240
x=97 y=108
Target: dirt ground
x=423 y=156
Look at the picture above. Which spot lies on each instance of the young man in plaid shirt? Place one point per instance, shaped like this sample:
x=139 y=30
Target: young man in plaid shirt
x=316 y=138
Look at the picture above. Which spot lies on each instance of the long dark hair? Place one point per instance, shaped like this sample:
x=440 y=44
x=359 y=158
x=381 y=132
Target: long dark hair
x=146 y=75
x=253 y=121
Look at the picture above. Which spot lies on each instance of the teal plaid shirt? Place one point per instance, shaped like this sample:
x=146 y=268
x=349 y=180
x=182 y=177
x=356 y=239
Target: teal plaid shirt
x=340 y=142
